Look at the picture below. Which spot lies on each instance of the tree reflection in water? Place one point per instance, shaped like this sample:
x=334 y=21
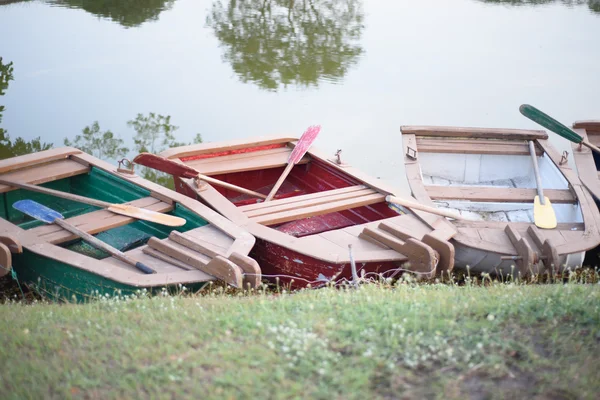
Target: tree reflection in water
x=128 y=13
x=277 y=43
x=594 y=5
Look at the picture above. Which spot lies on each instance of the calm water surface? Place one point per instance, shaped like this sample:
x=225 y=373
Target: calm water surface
x=233 y=69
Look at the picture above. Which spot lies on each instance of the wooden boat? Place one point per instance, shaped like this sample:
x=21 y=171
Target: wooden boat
x=60 y=265
x=586 y=161
x=322 y=207
x=487 y=176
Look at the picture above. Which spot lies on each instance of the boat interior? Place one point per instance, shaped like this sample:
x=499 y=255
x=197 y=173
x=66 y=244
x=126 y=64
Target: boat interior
x=452 y=178
x=316 y=197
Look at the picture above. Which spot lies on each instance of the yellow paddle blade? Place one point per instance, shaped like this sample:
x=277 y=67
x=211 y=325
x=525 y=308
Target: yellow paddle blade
x=147 y=215
x=543 y=215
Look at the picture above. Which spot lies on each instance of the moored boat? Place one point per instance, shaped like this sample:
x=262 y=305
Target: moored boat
x=487 y=176
x=323 y=207
x=60 y=265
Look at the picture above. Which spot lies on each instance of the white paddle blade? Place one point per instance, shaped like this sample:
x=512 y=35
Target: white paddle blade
x=543 y=214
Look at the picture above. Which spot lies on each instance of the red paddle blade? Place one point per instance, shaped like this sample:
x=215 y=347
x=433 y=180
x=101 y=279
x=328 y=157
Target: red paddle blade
x=306 y=140
x=165 y=165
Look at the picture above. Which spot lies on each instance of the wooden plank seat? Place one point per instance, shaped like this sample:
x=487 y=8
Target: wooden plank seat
x=310 y=205
x=264 y=159
x=207 y=249
x=496 y=194
x=44 y=173
x=473 y=146
x=96 y=221
x=483 y=133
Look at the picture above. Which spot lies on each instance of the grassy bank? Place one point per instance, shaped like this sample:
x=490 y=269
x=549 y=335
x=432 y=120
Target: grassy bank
x=502 y=341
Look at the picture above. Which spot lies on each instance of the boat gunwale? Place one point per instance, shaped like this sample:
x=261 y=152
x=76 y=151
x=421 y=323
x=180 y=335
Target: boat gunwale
x=242 y=244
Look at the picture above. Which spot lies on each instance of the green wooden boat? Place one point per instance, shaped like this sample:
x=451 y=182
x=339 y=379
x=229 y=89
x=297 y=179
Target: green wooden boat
x=61 y=266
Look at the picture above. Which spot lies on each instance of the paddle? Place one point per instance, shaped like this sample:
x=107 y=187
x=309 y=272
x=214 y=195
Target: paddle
x=421 y=207
x=184 y=171
x=306 y=140
x=49 y=216
x=123 y=209
x=543 y=213
x=550 y=123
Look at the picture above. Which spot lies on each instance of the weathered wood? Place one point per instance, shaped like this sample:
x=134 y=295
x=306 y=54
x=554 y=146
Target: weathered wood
x=12 y=243
x=421 y=257
x=300 y=149
x=496 y=194
x=301 y=198
x=307 y=201
x=484 y=133
x=250 y=269
x=44 y=173
x=445 y=250
x=473 y=146
x=179 y=252
x=95 y=222
x=590 y=126
x=196 y=244
x=311 y=211
x=260 y=160
x=162 y=256
x=526 y=263
x=218 y=266
x=119 y=255
x=225 y=270
x=28 y=160
x=421 y=207
x=5 y=260
x=123 y=209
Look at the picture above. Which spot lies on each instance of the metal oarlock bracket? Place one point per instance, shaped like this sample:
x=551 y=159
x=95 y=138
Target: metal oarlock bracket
x=411 y=153
x=125 y=166
x=565 y=157
x=338 y=158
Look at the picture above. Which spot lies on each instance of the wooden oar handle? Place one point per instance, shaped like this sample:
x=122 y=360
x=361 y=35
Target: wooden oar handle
x=536 y=172
x=279 y=182
x=226 y=185
x=57 y=193
x=422 y=207
x=590 y=146
x=103 y=246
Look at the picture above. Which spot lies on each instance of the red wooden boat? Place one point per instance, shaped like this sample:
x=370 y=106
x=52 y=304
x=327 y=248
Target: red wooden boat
x=321 y=208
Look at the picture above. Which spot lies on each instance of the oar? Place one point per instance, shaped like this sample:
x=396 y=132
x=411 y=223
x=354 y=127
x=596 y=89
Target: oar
x=421 y=207
x=306 y=140
x=543 y=213
x=123 y=209
x=49 y=216
x=550 y=123
x=185 y=171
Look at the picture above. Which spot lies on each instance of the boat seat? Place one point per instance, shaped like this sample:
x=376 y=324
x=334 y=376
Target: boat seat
x=310 y=205
x=473 y=146
x=250 y=161
x=43 y=173
x=495 y=194
x=96 y=221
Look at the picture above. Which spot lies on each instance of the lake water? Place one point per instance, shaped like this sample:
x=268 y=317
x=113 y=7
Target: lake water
x=233 y=69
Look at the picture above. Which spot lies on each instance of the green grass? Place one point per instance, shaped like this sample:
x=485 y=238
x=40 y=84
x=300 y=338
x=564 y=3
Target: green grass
x=406 y=341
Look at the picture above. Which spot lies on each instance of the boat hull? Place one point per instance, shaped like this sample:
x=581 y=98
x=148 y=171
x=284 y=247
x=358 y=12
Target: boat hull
x=481 y=261
x=59 y=281
x=299 y=270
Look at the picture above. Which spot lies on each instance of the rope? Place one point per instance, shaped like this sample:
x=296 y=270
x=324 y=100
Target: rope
x=13 y=274
x=324 y=280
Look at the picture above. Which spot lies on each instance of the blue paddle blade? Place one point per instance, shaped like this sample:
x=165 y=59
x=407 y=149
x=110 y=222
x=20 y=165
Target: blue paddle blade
x=37 y=211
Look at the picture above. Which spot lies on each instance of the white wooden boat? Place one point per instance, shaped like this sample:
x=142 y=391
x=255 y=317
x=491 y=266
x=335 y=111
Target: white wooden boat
x=486 y=175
